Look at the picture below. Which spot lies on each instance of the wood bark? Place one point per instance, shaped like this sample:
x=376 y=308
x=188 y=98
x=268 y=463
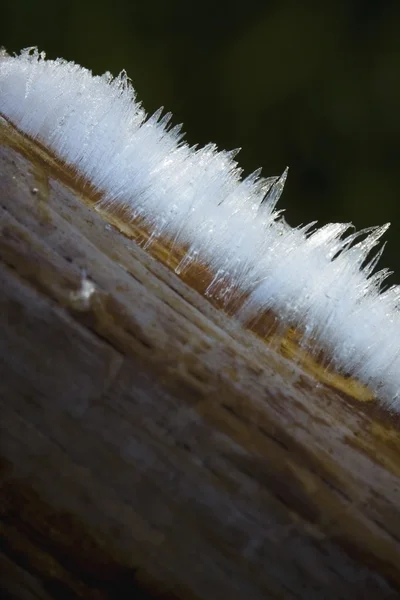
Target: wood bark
x=151 y=446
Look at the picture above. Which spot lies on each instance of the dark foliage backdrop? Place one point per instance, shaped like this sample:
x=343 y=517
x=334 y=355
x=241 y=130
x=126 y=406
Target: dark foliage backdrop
x=315 y=85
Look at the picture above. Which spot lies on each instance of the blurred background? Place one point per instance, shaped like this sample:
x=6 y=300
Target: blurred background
x=312 y=85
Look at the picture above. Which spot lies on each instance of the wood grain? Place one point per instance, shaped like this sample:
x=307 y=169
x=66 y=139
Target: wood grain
x=149 y=445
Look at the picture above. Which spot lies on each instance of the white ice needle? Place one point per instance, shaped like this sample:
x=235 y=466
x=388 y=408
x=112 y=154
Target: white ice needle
x=316 y=279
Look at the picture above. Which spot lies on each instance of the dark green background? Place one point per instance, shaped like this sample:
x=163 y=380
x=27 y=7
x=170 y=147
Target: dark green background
x=312 y=85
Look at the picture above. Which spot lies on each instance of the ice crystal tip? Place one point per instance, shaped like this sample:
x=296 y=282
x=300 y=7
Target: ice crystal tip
x=320 y=280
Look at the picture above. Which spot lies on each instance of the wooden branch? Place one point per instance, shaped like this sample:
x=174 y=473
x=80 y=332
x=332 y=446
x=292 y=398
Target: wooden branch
x=150 y=445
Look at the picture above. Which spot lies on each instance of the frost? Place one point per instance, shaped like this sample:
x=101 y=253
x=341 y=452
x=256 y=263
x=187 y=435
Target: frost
x=319 y=280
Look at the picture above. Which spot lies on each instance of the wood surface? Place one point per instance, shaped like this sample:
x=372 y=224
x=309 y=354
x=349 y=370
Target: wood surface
x=150 y=446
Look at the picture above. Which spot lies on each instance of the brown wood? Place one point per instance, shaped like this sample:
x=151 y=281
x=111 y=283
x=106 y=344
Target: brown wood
x=150 y=445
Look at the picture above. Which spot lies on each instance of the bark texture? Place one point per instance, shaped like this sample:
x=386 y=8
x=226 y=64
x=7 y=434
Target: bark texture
x=150 y=446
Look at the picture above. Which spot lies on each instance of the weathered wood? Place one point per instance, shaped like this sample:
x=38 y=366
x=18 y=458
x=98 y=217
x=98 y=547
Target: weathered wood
x=149 y=443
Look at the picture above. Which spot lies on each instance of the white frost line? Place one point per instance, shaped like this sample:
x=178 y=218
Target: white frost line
x=316 y=279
